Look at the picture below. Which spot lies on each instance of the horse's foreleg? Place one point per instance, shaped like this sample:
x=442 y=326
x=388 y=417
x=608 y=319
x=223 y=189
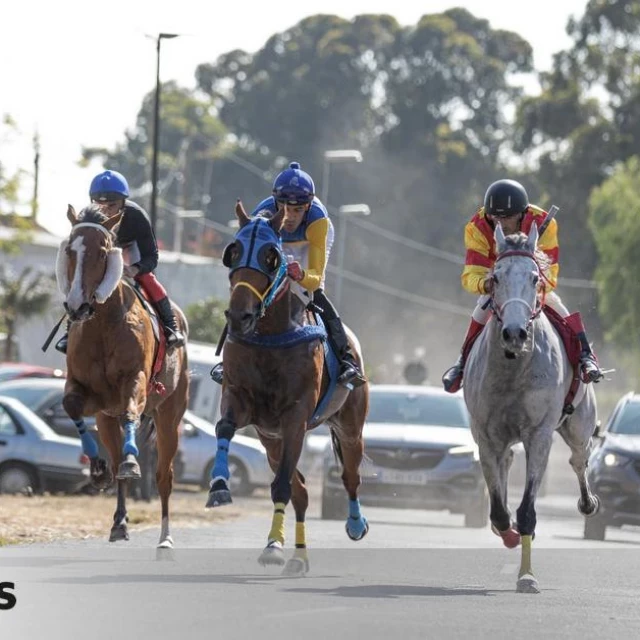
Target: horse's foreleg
x=220 y=489
x=111 y=436
x=281 y=489
x=74 y=403
x=298 y=565
x=494 y=468
x=130 y=421
x=537 y=448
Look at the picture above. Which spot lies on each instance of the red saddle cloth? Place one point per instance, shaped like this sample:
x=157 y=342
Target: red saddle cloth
x=161 y=342
x=572 y=347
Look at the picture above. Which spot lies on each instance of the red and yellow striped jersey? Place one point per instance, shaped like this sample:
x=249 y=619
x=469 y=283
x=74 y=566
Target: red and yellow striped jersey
x=481 y=248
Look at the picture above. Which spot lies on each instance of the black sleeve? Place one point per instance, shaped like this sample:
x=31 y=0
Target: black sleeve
x=136 y=227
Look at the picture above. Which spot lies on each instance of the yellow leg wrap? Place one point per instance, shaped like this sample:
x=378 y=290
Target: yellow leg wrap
x=301 y=535
x=277 y=524
x=525 y=559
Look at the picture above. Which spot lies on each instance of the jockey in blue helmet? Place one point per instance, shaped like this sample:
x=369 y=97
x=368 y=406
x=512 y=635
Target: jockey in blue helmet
x=110 y=191
x=307 y=234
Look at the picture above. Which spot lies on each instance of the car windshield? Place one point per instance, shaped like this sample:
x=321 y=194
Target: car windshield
x=417 y=408
x=628 y=421
x=29 y=396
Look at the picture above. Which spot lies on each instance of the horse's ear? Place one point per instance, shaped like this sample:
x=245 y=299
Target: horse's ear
x=72 y=216
x=532 y=240
x=276 y=220
x=112 y=222
x=501 y=242
x=241 y=214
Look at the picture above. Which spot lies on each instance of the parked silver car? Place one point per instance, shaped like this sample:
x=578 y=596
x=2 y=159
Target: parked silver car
x=420 y=454
x=197 y=447
x=35 y=458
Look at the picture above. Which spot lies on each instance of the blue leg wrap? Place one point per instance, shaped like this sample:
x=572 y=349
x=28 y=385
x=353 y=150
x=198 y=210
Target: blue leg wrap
x=356 y=523
x=221 y=464
x=130 y=438
x=89 y=445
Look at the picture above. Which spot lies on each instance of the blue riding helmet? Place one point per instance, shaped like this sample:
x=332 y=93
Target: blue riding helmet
x=108 y=186
x=294 y=186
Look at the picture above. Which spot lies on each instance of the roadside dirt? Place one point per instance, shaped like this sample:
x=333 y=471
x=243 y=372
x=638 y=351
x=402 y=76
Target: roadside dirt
x=25 y=520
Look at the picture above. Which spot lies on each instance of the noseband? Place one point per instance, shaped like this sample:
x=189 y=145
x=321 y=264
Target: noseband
x=533 y=313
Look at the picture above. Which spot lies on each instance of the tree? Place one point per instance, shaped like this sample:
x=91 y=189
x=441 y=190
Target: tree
x=614 y=219
x=206 y=320
x=24 y=296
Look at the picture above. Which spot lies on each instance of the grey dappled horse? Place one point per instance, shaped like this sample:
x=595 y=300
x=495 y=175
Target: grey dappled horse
x=516 y=381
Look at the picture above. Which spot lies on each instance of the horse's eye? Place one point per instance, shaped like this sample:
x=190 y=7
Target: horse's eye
x=535 y=278
x=494 y=277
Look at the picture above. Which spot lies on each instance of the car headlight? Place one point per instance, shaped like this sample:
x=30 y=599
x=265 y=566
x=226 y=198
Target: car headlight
x=465 y=451
x=611 y=459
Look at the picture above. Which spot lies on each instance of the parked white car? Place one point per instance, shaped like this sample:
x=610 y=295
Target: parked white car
x=35 y=458
x=248 y=462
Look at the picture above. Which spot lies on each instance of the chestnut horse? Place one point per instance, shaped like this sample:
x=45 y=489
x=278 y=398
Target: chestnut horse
x=110 y=362
x=274 y=378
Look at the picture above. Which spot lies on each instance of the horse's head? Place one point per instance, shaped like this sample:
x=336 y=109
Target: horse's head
x=257 y=269
x=88 y=266
x=517 y=280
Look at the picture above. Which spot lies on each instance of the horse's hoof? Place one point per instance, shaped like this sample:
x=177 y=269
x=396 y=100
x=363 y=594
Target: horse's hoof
x=273 y=554
x=119 y=532
x=219 y=494
x=510 y=537
x=129 y=468
x=100 y=474
x=296 y=568
x=167 y=543
x=165 y=554
x=527 y=584
x=590 y=509
x=357 y=529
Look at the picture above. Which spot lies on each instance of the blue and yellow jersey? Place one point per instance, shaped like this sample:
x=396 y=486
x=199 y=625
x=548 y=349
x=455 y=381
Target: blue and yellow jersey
x=481 y=248
x=310 y=244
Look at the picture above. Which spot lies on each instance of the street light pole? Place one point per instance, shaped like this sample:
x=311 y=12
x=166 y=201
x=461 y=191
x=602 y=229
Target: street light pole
x=335 y=156
x=153 y=212
x=346 y=211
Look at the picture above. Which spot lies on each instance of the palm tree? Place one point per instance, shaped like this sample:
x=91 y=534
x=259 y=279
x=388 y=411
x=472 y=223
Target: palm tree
x=24 y=296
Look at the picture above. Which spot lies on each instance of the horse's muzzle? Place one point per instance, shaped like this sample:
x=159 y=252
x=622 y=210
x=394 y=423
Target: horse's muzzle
x=514 y=338
x=83 y=312
x=241 y=323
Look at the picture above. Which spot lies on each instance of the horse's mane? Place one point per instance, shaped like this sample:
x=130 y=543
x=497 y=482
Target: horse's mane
x=518 y=242
x=92 y=214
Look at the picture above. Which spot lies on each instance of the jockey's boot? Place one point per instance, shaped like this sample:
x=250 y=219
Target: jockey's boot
x=350 y=373
x=452 y=378
x=589 y=369
x=175 y=337
x=61 y=345
x=217 y=373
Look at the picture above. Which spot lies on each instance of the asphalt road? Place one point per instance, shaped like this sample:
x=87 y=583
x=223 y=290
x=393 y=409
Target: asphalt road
x=416 y=575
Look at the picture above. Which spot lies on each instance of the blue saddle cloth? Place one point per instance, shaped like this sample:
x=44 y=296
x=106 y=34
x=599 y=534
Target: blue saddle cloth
x=296 y=336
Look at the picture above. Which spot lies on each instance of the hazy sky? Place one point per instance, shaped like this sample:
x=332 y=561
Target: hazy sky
x=78 y=70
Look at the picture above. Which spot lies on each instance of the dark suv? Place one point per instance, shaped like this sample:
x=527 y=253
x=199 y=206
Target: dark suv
x=614 y=470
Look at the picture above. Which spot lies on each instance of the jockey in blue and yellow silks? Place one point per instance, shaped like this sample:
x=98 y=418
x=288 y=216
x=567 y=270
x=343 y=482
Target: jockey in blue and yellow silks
x=307 y=235
x=507 y=201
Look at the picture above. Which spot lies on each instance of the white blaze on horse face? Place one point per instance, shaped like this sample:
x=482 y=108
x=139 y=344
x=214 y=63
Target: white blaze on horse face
x=76 y=297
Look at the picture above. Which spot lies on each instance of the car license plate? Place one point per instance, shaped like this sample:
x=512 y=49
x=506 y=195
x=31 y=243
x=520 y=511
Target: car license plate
x=394 y=476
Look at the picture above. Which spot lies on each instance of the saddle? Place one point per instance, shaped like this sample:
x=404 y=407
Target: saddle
x=573 y=350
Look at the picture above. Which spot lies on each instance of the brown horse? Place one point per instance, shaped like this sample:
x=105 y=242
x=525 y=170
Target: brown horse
x=274 y=377
x=110 y=362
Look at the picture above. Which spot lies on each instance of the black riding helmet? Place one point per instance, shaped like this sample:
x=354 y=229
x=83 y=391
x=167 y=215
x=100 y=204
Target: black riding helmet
x=505 y=198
